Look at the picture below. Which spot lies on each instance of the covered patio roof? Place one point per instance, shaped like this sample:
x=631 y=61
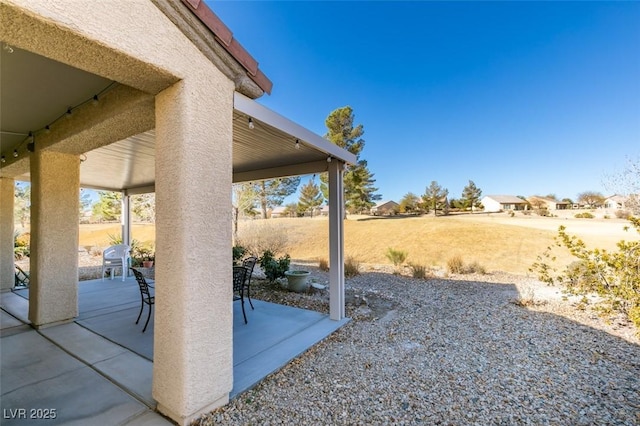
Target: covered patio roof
x=272 y=146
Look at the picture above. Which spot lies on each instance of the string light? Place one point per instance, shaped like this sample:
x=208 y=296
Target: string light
x=31 y=145
x=251 y=125
x=30 y=137
x=297 y=144
x=3 y=160
x=328 y=159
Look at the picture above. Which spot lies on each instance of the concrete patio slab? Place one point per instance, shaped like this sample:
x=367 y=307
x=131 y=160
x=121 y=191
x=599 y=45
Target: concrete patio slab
x=99 y=369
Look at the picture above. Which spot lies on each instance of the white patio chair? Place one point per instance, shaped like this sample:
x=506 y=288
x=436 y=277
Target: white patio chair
x=115 y=256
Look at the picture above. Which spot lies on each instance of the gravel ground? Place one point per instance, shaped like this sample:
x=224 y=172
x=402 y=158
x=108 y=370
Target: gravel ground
x=490 y=349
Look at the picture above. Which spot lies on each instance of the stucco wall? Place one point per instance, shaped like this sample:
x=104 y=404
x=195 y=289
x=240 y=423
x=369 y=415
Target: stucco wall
x=6 y=233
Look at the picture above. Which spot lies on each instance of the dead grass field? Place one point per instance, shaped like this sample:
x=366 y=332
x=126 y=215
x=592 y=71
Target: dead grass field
x=498 y=242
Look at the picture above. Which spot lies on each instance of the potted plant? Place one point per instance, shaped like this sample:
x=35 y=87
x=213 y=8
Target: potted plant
x=143 y=256
x=297 y=280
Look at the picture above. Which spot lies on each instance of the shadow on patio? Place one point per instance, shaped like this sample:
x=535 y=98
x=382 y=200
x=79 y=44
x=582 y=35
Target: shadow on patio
x=105 y=343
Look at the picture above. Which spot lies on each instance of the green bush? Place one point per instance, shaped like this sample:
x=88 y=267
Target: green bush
x=397 y=257
x=615 y=276
x=21 y=245
x=274 y=268
x=238 y=253
x=585 y=215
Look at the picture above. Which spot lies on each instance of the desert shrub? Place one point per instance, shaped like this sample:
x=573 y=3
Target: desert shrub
x=418 y=271
x=623 y=214
x=526 y=212
x=397 y=257
x=585 y=215
x=262 y=237
x=542 y=212
x=511 y=213
x=323 y=265
x=238 y=253
x=274 y=268
x=455 y=265
x=475 y=268
x=351 y=267
x=21 y=245
x=615 y=276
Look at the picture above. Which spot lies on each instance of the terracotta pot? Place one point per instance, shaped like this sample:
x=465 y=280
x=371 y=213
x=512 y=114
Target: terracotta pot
x=147 y=263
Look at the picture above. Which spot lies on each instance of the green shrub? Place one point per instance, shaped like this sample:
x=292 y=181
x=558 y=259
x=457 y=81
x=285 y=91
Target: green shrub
x=274 y=268
x=21 y=245
x=585 y=215
x=351 y=267
x=615 y=276
x=397 y=257
x=238 y=253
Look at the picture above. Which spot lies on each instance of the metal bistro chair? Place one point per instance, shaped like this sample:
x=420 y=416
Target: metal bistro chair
x=22 y=278
x=249 y=263
x=239 y=275
x=145 y=296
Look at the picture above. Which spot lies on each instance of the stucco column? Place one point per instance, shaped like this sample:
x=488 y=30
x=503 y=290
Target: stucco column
x=6 y=234
x=336 y=241
x=193 y=341
x=53 y=285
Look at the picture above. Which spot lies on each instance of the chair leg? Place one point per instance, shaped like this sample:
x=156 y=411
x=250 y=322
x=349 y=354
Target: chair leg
x=140 y=314
x=249 y=295
x=243 y=313
x=148 y=318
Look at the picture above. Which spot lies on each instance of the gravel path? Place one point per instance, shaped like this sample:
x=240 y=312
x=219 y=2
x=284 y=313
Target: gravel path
x=456 y=350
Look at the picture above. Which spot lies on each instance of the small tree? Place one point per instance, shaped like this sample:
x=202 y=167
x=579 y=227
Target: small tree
x=310 y=197
x=435 y=196
x=471 y=195
x=409 y=203
x=109 y=205
x=591 y=198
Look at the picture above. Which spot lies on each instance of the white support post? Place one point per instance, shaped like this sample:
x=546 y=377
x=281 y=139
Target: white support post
x=336 y=241
x=125 y=219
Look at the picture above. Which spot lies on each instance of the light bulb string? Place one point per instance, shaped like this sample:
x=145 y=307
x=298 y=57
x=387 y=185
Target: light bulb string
x=30 y=137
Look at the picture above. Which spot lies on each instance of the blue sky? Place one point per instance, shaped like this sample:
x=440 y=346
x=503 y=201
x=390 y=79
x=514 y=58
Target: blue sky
x=523 y=98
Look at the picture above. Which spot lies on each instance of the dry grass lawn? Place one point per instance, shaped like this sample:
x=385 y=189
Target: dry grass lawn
x=498 y=242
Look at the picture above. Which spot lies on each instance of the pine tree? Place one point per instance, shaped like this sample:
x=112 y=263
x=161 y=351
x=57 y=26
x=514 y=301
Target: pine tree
x=435 y=196
x=471 y=195
x=271 y=193
x=109 y=205
x=310 y=197
x=358 y=180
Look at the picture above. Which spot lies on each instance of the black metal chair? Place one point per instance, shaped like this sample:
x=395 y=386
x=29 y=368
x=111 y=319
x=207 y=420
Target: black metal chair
x=145 y=296
x=239 y=276
x=22 y=278
x=249 y=263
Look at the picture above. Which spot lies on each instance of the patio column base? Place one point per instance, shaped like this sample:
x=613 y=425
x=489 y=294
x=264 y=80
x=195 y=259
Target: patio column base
x=186 y=420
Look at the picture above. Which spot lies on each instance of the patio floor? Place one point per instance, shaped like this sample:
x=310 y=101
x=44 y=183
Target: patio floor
x=98 y=369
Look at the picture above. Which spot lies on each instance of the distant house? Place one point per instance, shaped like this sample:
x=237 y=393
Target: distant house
x=496 y=203
x=548 y=203
x=388 y=207
x=617 y=202
x=279 y=211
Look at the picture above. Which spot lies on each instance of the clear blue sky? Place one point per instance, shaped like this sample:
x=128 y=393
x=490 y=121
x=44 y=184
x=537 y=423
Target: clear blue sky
x=523 y=98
